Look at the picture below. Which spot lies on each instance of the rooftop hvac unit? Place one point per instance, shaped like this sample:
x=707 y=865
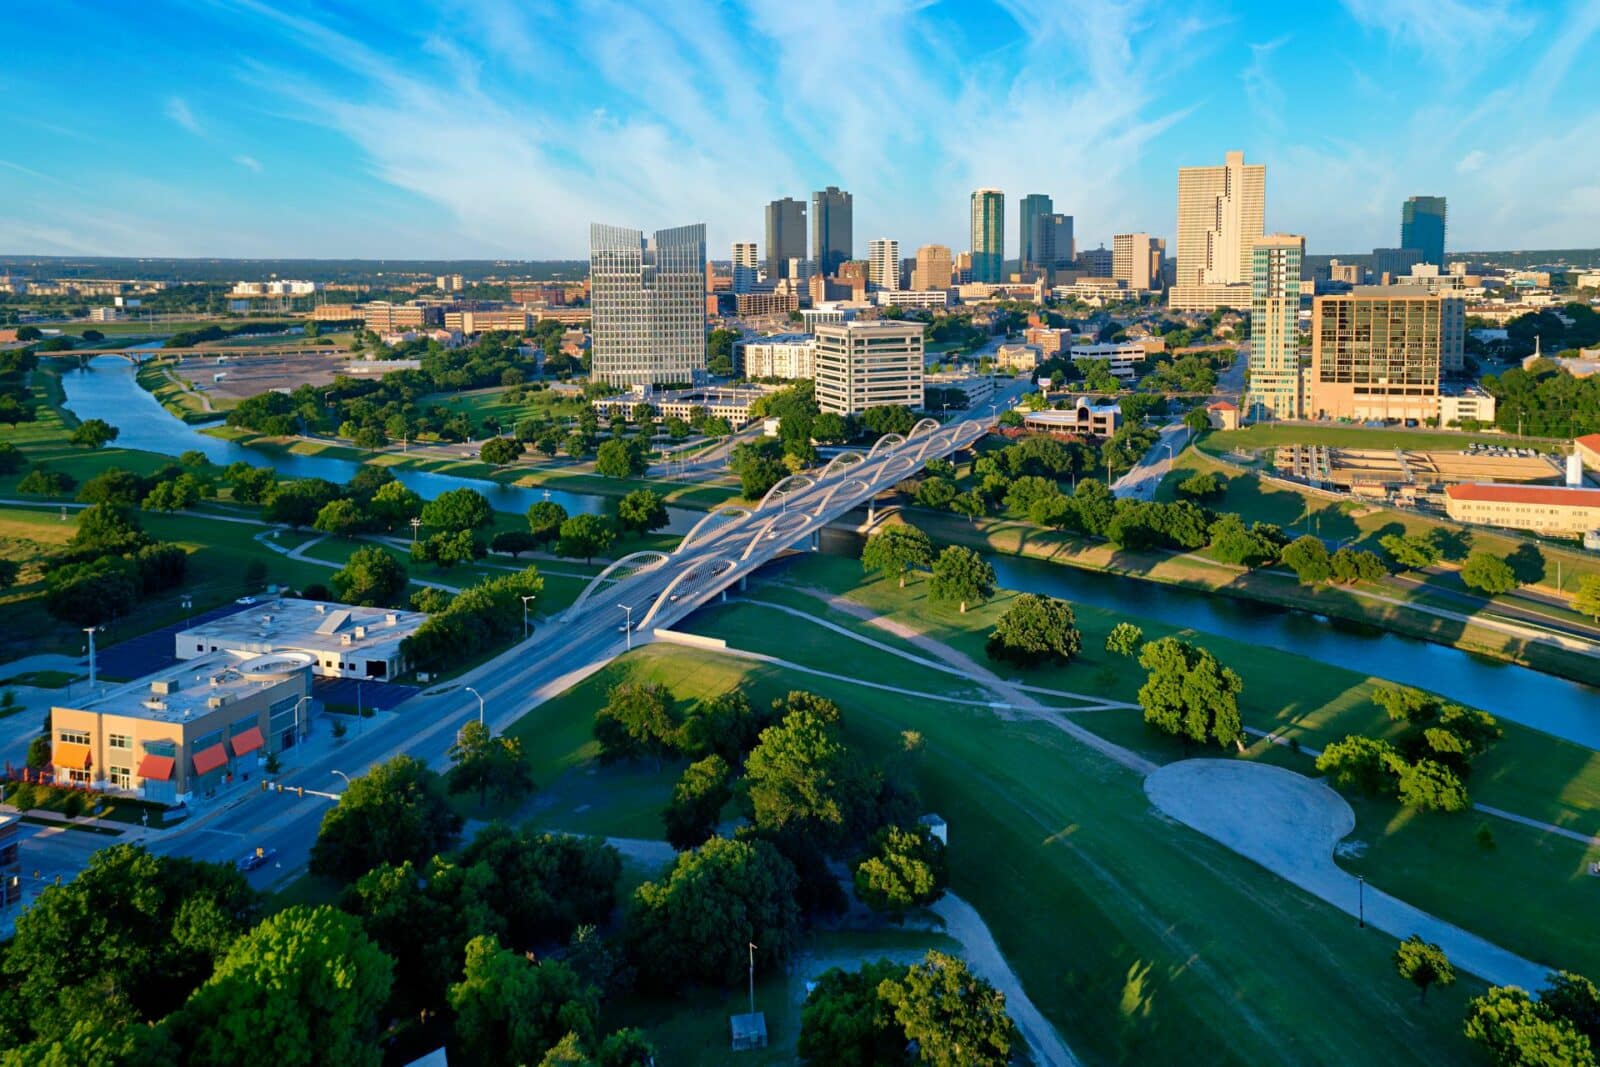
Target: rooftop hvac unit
x=217 y=701
x=319 y=608
x=361 y=631
x=345 y=639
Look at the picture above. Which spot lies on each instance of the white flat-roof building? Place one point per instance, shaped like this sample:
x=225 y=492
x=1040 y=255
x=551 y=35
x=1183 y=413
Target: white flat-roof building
x=912 y=298
x=1121 y=355
x=343 y=640
x=785 y=355
x=861 y=365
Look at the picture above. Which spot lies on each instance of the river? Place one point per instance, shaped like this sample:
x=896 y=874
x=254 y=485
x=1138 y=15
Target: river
x=108 y=389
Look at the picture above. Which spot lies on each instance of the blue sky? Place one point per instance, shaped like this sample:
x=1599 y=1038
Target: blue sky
x=493 y=128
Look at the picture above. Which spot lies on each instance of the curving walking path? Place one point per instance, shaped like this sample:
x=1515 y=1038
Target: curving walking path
x=1290 y=824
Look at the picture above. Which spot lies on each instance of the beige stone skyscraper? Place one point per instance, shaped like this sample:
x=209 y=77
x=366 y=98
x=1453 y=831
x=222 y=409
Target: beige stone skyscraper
x=1221 y=212
x=1136 y=260
x=933 y=269
x=883 y=263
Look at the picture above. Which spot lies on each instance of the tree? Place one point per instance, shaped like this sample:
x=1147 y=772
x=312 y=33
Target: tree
x=394 y=505
x=1518 y=1031
x=1095 y=505
x=447 y=549
x=1489 y=574
x=371 y=577
x=297 y=503
x=545 y=519
x=511 y=1010
x=697 y=802
x=801 y=778
x=585 y=535
x=936 y=492
x=1574 y=999
x=41 y=482
x=94 y=433
x=895 y=550
x=969 y=504
x=628 y=1047
x=1232 y=542
x=1189 y=695
x=1124 y=639
x=743 y=889
x=1350 y=565
x=1035 y=629
x=726 y=725
x=1430 y=786
x=113 y=486
x=844 y=1023
x=105 y=530
x=1202 y=486
x=962 y=576
x=956 y=1018
x=641 y=511
x=513 y=542
x=395 y=812
x=1358 y=762
x=904 y=869
x=487 y=764
x=1413 y=552
x=1422 y=963
x=1197 y=420
x=1307 y=556
x=342 y=518
x=500 y=451
x=305 y=986
x=88 y=594
x=636 y=722
x=1587 y=599
x=455 y=510
x=618 y=459
x=757 y=473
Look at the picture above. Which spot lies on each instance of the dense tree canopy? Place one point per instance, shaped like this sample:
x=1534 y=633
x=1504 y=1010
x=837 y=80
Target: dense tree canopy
x=895 y=550
x=370 y=576
x=956 y=1018
x=395 y=812
x=1189 y=695
x=1036 y=629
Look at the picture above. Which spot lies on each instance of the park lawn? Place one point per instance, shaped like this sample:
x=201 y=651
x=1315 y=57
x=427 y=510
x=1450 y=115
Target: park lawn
x=1057 y=848
x=479 y=404
x=1270 y=435
x=158 y=379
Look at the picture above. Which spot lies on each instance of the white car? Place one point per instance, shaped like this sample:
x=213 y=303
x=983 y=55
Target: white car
x=245 y=600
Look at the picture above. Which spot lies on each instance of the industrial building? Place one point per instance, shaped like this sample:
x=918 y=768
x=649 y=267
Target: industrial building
x=342 y=640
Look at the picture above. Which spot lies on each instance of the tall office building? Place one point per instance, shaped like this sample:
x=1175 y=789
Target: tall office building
x=832 y=228
x=988 y=236
x=1029 y=210
x=1136 y=260
x=862 y=365
x=934 y=268
x=648 y=306
x=786 y=235
x=1097 y=262
x=883 y=263
x=1274 y=320
x=746 y=267
x=1221 y=212
x=1376 y=353
x=1053 y=245
x=1422 y=227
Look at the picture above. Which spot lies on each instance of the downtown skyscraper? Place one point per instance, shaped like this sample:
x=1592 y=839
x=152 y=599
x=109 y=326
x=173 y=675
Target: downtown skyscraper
x=988 y=235
x=1275 y=378
x=648 y=304
x=883 y=263
x=1422 y=221
x=1032 y=207
x=1221 y=212
x=786 y=236
x=832 y=228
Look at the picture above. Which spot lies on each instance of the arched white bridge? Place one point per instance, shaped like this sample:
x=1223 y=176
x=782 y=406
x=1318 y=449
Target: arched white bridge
x=657 y=588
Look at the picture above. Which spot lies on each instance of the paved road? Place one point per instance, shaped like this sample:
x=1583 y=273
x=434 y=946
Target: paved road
x=549 y=663
x=1141 y=482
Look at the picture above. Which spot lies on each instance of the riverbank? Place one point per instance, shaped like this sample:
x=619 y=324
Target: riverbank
x=157 y=378
x=1281 y=589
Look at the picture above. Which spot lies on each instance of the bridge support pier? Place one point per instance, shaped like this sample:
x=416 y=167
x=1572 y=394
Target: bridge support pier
x=744 y=582
x=723 y=596
x=872 y=513
x=816 y=540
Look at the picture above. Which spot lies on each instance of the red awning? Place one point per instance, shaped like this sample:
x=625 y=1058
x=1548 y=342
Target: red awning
x=209 y=759
x=247 y=742
x=156 y=768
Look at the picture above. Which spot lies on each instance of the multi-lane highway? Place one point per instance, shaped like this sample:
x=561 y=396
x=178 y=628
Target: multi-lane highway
x=646 y=591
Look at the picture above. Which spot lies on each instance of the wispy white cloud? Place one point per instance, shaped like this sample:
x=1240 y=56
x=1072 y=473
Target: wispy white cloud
x=178 y=111
x=248 y=162
x=1473 y=160
x=1450 y=33
x=1261 y=88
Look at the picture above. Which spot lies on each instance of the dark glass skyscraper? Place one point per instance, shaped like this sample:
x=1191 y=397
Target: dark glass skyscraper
x=832 y=228
x=786 y=235
x=1422 y=227
x=988 y=235
x=1032 y=208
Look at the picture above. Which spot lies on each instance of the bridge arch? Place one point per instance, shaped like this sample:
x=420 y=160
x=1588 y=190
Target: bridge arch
x=923 y=426
x=792 y=484
x=849 y=487
x=768 y=530
x=887 y=443
x=850 y=457
x=633 y=563
x=700 y=570
x=715 y=521
x=894 y=468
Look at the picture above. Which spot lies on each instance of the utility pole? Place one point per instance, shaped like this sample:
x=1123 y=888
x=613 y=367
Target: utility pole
x=90 y=631
x=752 y=977
x=627 y=628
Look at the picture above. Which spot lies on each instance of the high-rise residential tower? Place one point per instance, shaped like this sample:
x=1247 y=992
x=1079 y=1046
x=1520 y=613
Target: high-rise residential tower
x=1031 y=208
x=1136 y=260
x=1274 y=318
x=883 y=263
x=1376 y=352
x=746 y=266
x=1221 y=212
x=934 y=268
x=1422 y=227
x=832 y=228
x=648 y=304
x=786 y=235
x=1053 y=245
x=988 y=235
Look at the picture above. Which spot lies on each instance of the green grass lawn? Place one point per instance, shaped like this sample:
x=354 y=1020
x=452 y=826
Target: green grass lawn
x=1140 y=939
x=479 y=404
x=158 y=378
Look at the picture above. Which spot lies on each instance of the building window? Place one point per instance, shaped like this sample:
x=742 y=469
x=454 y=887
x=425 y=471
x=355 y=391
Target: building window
x=121 y=777
x=73 y=737
x=77 y=777
x=119 y=741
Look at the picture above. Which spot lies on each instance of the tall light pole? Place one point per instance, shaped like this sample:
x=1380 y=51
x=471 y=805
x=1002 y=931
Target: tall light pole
x=90 y=631
x=479 y=695
x=346 y=778
x=627 y=628
x=298 y=733
x=1361 y=900
x=415 y=523
x=525 y=598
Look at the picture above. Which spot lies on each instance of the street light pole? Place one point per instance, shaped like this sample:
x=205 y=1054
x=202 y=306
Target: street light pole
x=346 y=778
x=627 y=628
x=90 y=631
x=525 y=598
x=298 y=733
x=415 y=522
x=479 y=695
x=1361 y=900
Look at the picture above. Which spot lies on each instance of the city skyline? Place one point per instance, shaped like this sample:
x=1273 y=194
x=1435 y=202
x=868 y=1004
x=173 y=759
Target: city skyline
x=466 y=133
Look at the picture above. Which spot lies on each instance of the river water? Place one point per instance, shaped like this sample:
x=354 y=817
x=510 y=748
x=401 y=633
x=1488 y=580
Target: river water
x=107 y=389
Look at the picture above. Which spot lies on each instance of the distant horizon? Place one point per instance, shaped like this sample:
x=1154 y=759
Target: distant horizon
x=480 y=130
